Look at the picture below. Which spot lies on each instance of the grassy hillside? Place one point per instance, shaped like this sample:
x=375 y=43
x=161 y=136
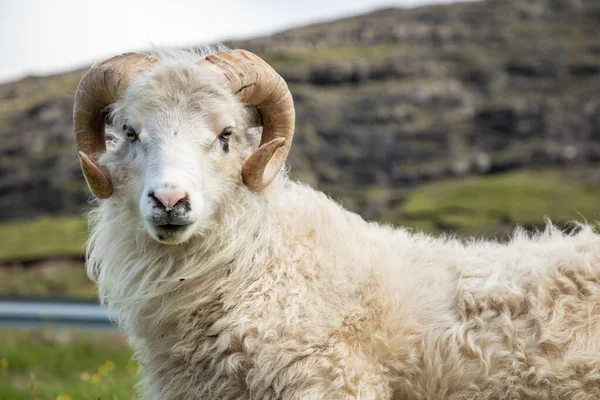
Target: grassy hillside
x=495 y=204
x=57 y=279
x=45 y=237
x=43 y=258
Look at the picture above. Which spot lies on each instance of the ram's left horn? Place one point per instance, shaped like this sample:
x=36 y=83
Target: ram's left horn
x=255 y=83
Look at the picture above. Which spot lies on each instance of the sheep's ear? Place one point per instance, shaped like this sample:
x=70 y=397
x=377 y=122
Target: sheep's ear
x=253 y=136
x=254 y=117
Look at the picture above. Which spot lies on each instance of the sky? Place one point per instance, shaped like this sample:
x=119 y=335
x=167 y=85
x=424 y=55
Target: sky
x=50 y=36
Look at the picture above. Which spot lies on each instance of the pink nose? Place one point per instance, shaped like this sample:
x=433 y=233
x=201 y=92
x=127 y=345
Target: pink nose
x=169 y=198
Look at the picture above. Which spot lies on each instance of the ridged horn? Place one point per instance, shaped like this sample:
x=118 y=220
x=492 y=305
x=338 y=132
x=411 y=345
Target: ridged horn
x=100 y=86
x=255 y=83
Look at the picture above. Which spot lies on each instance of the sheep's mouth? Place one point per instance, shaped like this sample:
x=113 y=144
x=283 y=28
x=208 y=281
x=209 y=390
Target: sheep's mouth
x=172 y=227
x=172 y=233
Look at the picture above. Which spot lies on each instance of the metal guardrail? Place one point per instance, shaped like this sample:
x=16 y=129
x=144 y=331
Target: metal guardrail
x=40 y=313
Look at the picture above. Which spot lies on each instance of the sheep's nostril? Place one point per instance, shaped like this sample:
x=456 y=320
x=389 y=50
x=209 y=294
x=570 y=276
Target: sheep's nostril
x=169 y=198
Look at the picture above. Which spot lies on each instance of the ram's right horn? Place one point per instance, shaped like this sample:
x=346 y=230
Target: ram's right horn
x=100 y=86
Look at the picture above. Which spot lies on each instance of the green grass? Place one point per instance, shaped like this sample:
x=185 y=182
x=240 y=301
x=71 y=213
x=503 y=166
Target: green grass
x=43 y=238
x=495 y=204
x=341 y=55
x=62 y=365
x=53 y=279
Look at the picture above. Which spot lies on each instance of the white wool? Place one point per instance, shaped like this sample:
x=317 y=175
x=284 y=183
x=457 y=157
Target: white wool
x=283 y=294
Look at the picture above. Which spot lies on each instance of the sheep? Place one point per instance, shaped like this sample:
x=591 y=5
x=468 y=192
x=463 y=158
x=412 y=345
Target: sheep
x=234 y=282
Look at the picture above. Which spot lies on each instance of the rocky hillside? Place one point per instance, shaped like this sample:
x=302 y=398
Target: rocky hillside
x=385 y=101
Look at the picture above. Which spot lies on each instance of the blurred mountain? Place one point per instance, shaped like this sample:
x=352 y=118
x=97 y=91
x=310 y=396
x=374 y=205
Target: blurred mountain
x=385 y=101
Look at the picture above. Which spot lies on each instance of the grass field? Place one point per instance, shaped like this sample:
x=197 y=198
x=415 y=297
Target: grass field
x=65 y=365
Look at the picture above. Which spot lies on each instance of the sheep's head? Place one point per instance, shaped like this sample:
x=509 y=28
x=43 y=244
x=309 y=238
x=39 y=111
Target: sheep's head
x=182 y=129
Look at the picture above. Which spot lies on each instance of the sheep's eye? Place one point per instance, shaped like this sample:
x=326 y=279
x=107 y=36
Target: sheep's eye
x=226 y=133
x=130 y=133
x=224 y=138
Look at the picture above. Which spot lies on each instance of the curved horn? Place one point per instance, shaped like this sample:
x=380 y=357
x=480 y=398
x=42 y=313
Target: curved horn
x=254 y=82
x=99 y=87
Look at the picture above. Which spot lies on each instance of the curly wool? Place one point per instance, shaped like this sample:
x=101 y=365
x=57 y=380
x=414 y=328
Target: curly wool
x=289 y=296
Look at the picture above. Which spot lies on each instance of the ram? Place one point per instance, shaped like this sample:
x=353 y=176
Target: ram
x=233 y=281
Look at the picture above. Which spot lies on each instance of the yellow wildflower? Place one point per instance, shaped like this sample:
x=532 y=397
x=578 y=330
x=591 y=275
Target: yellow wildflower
x=109 y=365
x=102 y=370
x=85 y=376
x=4 y=363
x=96 y=378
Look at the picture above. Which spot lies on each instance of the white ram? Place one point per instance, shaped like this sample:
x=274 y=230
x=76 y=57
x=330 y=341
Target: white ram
x=233 y=281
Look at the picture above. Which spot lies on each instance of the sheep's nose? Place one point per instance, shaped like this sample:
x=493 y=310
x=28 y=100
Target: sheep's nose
x=169 y=198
